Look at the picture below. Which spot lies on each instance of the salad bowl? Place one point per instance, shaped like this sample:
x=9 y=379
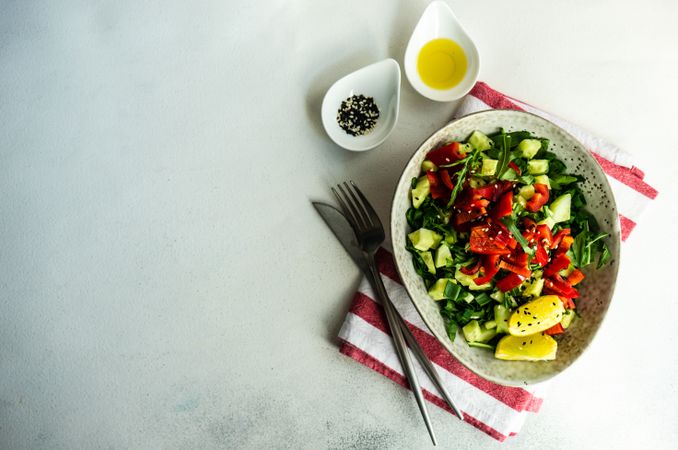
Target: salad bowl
x=595 y=292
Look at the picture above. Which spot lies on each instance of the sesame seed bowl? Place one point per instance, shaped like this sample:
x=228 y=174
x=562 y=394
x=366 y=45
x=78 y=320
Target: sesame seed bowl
x=360 y=110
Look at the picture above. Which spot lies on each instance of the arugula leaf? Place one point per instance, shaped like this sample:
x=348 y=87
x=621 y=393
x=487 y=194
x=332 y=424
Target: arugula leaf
x=504 y=156
x=510 y=223
x=558 y=181
x=452 y=328
x=604 y=257
x=461 y=176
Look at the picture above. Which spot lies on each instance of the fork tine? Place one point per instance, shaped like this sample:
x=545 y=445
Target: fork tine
x=358 y=218
x=345 y=210
x=374 y=217
x=359 y=205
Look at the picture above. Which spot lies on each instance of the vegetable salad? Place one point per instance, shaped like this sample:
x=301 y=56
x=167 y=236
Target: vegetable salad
x=501 y=236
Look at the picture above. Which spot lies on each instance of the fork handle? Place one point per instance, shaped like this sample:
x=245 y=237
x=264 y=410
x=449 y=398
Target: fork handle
x=401 y=347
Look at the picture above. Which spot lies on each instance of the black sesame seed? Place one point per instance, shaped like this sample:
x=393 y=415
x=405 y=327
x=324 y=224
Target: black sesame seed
x=358 y=115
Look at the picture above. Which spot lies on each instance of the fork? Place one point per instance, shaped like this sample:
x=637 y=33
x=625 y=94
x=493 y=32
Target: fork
x=370 y=234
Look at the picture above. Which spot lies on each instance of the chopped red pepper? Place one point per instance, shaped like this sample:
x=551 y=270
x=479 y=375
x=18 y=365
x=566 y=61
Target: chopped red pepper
x=486 y=191
x=503 y=235
x=545 y=235
x=470 y=269
x=511 y=281
x=529 y=225
x=501 y=187
x=555 y=329
x=539 y=199
x=559 y=236
x=540 y=255
x=483 y=241
x=504 y=206
x=565 y=243
x=558 y=286
x=519 y=258
x=556 y=265
x=446 y=179
x=447 y=154
x=520 y=270
x=568 y=303
x=490 y=269
x=575 y=277
x=515 y=168
x=491 y=192
x=463 y=217
x=438 y=190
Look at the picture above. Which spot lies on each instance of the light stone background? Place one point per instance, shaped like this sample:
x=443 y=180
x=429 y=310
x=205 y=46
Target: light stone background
x=164 y=281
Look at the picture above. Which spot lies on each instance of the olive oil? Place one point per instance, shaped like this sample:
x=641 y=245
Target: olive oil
x=442 y=64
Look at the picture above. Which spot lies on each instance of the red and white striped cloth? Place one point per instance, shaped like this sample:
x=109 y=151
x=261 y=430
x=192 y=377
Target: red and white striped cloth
x=499 y=411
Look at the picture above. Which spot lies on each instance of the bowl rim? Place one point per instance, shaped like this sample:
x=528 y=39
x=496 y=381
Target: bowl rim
x=351 y=143
x=616 y=227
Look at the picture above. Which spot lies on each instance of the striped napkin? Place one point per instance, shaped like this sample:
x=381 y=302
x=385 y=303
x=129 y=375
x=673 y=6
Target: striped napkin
x=499 y=411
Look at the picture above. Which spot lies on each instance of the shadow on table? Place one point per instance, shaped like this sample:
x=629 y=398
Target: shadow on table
x=322 y=82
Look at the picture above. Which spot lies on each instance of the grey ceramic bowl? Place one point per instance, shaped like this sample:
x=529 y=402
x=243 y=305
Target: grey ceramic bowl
x=595 y=291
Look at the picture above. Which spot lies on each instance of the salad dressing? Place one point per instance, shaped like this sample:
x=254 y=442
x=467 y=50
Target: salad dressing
x=442 y=64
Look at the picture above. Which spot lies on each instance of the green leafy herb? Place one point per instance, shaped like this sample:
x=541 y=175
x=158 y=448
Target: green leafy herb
x=504 y=156
x=510 y=223
x=452 y=291
x=452 y=328
x=480 y=345
x=462 y=176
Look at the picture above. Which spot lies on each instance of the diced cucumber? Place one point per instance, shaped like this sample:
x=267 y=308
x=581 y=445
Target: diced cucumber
x=543 y=179
x=467 y=280
x=489 y=167
x=465 y=148
x=490 y=324
x=483 y=299
x=442 y=256
x=468 y=298
x=501 y=316
x=568 y=316
x=473 y=332
x=427 y=166
x=437 y=291
x=534 y=288
x=420 y=191
x=479 y=141
x=548 y=221
x=529 y=147
x=427 y=257
x=509 y=174
x=476 y=182
x=498 y=296
x=451 y=237
x=526 y=192
x=560 y=208
x=537 y=166
x=424 y=239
